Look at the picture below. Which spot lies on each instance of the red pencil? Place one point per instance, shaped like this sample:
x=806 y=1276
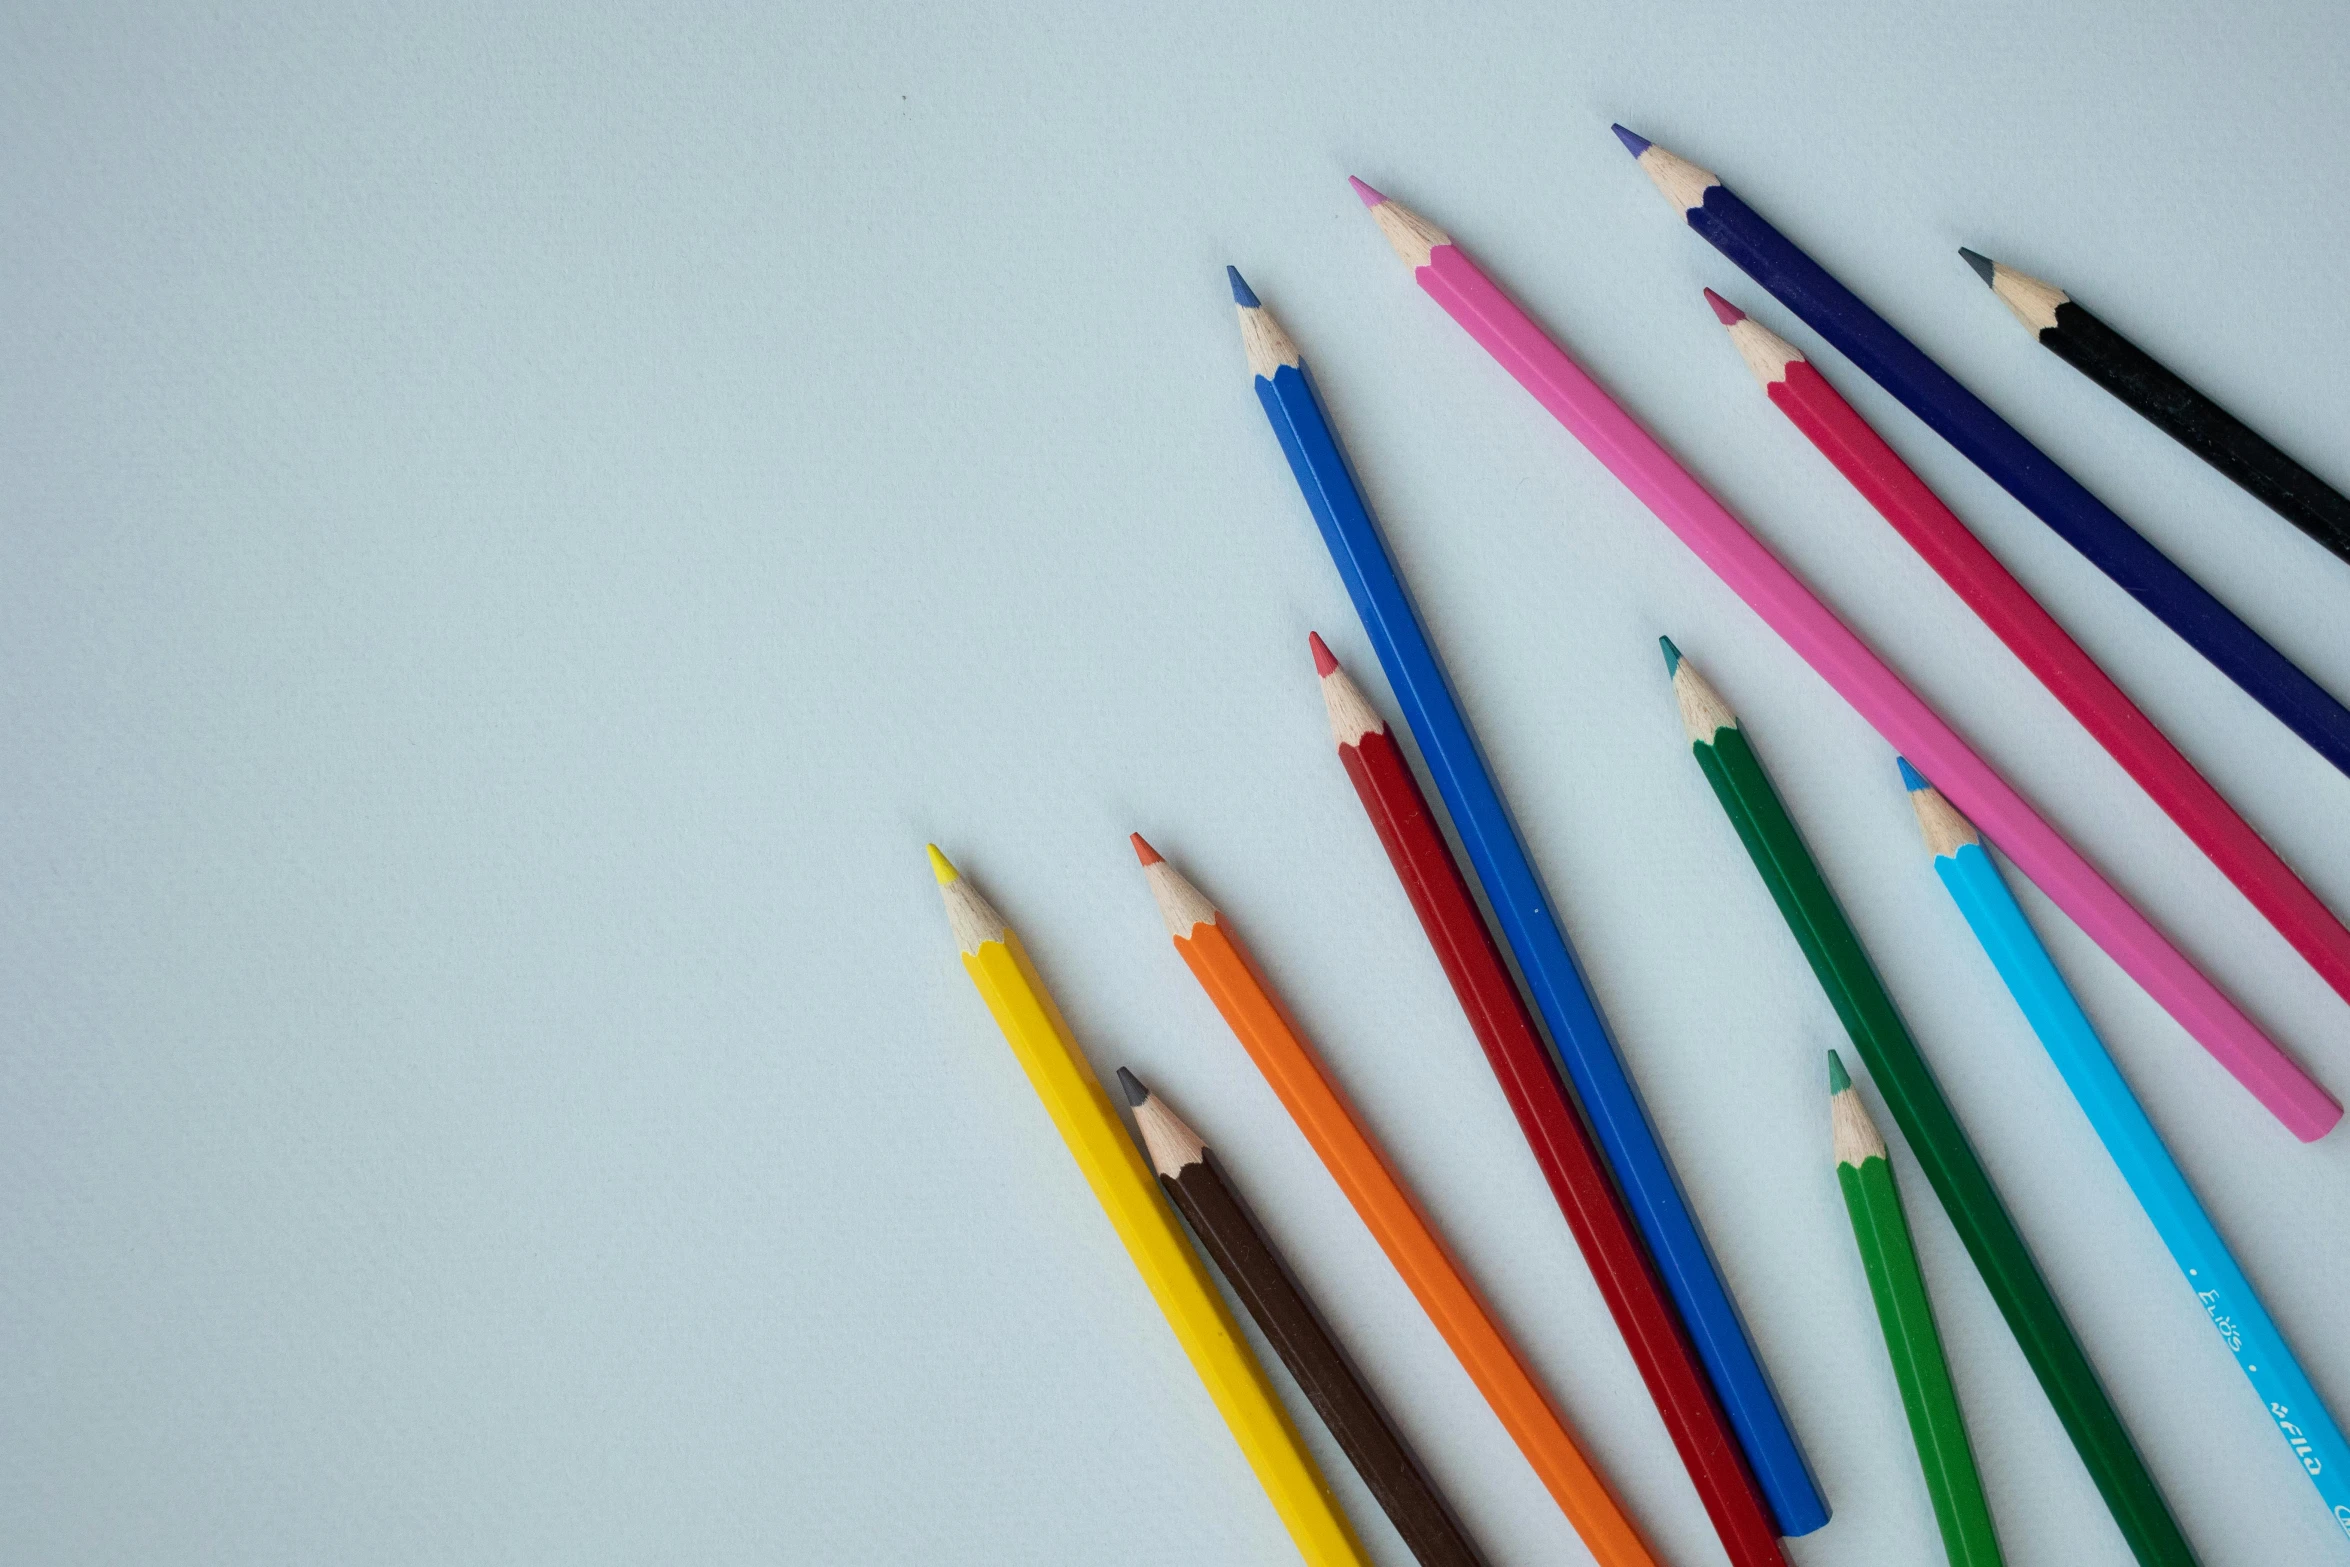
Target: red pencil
x=1553 y=1128
x=2032 y=634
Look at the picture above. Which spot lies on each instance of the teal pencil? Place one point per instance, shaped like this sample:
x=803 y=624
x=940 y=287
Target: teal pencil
x=2136 y=1148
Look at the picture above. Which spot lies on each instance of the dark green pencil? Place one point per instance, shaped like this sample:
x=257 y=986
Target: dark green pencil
x=1899 y=1288
x=1924 y=1116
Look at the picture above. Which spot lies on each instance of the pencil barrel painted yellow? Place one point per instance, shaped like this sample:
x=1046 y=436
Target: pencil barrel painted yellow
x=1128 y=1192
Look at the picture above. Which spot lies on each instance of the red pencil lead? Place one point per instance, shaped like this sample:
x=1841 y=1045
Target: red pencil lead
x=1142 y=849
x=1727 y=313
x=1324 y=664
x=1371 y=198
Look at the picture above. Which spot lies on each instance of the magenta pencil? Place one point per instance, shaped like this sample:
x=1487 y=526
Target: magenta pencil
x=1735 y=555
x=1833 y=425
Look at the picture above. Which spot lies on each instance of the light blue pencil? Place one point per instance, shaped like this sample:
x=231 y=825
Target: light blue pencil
x=2136 y=1148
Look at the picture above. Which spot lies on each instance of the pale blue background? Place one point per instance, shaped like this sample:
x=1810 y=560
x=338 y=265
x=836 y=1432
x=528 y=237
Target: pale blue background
x=519 y=522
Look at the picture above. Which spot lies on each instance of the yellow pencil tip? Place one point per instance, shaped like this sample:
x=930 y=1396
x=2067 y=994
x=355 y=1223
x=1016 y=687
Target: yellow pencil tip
x=942 y=867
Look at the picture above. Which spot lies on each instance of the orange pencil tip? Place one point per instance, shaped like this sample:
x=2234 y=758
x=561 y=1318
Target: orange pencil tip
x=1324 y=664
x=1142 y=849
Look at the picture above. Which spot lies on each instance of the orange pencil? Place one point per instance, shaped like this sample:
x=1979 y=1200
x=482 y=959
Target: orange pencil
x=1394 y=1219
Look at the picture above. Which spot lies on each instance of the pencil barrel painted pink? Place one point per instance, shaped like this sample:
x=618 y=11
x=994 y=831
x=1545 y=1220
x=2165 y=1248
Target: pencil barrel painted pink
x=1861 y=678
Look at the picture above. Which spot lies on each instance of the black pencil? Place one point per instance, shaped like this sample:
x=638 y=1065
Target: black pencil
x=2189 y=417
x=1242 y=1252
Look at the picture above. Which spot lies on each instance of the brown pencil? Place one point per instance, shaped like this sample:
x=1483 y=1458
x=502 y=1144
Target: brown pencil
x=1229 y=1233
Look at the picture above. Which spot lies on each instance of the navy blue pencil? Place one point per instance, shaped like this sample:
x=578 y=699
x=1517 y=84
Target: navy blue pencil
x=1999 y=449
x=1578 y=1035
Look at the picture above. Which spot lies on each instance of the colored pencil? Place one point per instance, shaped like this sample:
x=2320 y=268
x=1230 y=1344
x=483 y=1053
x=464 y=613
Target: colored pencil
x=1898 y=1286
x=1295 y=1073
x=2136 y=1148
x=1996 y=447
x=1523 y=908
x=1057 y=1069
x=1258 y=1274
x=1447 y=274
x=2179 y=410
x=1472 y=961
x=1843 y=969
x=1813 y=405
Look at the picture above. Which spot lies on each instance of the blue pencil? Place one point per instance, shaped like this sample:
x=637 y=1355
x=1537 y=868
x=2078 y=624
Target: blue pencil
x=1578 y=1035
x=2136 y=1148
x=1996 y=447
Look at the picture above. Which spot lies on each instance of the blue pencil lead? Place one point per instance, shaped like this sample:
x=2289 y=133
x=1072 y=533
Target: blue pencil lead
x=1634 y=144
x=1242 y=294
x=1911 y=779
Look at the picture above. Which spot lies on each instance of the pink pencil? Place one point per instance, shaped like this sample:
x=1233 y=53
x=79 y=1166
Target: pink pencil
x=1845 y=662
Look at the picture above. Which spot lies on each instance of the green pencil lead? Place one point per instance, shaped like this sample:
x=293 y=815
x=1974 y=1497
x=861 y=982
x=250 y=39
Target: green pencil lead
x=1672 y=655
x=1838 y=1079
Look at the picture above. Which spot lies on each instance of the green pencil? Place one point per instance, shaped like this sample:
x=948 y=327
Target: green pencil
x=1891 y=1259
x=1924 y=1116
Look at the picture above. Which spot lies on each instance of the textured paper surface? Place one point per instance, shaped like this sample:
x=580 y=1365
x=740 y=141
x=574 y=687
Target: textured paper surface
x=519 y=527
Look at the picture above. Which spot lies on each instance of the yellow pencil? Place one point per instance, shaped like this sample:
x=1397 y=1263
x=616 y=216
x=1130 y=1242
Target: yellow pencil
x=1130 y=1195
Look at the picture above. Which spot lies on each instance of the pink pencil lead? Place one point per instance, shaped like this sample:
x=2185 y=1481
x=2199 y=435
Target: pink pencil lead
x=1371 y=198
x=1727 y=313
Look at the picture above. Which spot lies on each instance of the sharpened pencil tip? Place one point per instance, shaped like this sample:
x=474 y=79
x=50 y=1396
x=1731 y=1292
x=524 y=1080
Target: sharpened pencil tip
x=1724 y=312
x=1982 y=264
x=1142 y=849
x=1672 y=655
x=1911 y=778
x=1135 y=1092
x=1370 y=197
x=1838 y=1079
x=1242 y=294
x=1324 y=664
x=942 y=867
x=1634 y=143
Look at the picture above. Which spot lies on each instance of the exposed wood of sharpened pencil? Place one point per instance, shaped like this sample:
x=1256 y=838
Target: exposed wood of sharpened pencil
x=1906 y=1317
x=1523 y=908
x=2137 y=1149
x=1841 y=965
x=2125 y=555
x=1605 y=429
x=1260 y=1276
x=1554 y=1132
x=2067 y=328
x=1798 y=390
x=1296 y=1075
x=1063 y=1079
